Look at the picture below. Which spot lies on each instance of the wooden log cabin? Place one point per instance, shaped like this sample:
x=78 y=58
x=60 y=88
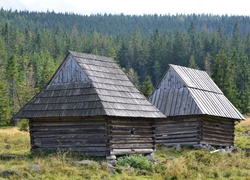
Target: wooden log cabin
x=197 y=110
x=91 y=107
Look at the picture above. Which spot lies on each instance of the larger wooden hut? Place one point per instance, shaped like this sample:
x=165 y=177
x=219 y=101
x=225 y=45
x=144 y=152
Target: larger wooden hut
x=91 y=107
x=197 y=110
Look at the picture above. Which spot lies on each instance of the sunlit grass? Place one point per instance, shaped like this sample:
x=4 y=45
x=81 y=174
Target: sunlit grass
x=242 y=133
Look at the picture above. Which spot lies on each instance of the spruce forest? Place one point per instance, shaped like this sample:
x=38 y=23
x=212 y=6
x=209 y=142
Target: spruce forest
x=32 y=46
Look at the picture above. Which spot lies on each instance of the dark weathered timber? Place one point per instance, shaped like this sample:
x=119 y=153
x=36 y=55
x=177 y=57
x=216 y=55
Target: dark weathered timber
x=123 y=135
x=87 y=137
x=197 y=110
x=200 y=129
x=91 y=107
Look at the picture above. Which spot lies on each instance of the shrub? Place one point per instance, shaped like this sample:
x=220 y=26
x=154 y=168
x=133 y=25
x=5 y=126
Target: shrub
x=23 y=125
x=135 y=161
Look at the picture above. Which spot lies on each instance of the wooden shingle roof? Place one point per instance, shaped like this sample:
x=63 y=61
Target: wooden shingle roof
x=89 y=85
x=187 y=91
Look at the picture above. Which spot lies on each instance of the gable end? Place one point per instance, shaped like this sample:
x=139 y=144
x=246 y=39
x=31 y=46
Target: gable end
x=69 y=72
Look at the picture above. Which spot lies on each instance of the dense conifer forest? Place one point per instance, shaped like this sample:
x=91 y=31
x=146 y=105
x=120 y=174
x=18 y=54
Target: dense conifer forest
x=32 y=45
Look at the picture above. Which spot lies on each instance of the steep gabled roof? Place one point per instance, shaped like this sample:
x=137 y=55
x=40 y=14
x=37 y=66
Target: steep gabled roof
x=89 y=85
x=187 y=91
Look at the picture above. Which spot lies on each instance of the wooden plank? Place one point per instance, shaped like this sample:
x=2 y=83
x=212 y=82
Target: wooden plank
x=179 y=129
x=129 y=146
x=178 y=101
x=177 y=136
x=70 y=128
x=176 y=120
x=100 y=132
x=71 y=141
x=176 y=133
x=169 y=102
x=177 y=124
x=184 y=106
x=130 y=133
x=131 y=136
x=82 y=123
x=157 y=99
x=125 y=129
x=74 y=136
x=180 y=140
x=115 y=141
x=131 y=151
x=173 y=103
x=165 y=101
x=132 y=125
x=217 y=136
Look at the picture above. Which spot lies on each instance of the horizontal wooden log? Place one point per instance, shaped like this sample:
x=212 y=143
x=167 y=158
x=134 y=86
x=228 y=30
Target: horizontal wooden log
x=70 y=135
x=137 y=124
x=126 y=121
x=177 y=136
x=217 y=125
x=129 y=146
x=167 y=132
x=67 y=123
x=141 y=129
x=218 y=132
x=73 y=118
x=225 y=129
x=73 y=141
x=131 y=141
x=117 y=136
x=220 y=121
x=69 y=132
x=60 y=128
x=176 y=126
x=180 y=140
x=177 y=120
x=130 y=133
x=131 y=151
x=64 y=130
x=217 y=138
x=178 y=130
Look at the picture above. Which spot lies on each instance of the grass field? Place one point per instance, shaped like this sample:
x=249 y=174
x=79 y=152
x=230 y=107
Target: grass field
x=16 y=162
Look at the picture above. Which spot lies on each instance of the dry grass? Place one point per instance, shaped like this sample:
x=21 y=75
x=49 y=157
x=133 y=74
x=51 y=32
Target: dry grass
x=185 y=164
x=13 y=132
x=245 y=123
x=242 y=133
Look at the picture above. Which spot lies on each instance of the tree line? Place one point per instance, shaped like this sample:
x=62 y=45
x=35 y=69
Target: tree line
x=31 y=51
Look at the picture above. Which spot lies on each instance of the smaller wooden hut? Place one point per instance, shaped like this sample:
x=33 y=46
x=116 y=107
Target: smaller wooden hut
x=91 y=107
x=197 y=110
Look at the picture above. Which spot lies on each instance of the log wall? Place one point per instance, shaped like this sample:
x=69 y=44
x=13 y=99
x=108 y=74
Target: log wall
x=131 y=136
x=83 y=136
x=195 y=130
x=174 y=131
x=217 y=131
